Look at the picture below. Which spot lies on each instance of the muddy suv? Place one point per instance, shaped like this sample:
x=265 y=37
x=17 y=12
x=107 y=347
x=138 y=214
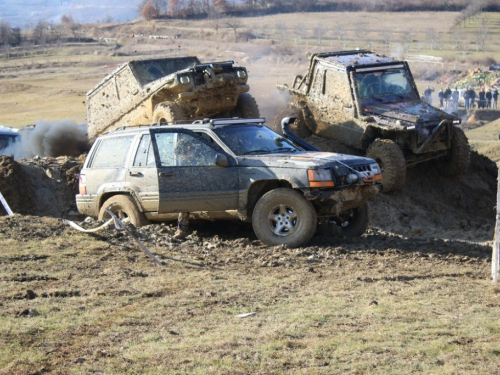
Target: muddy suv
x=166 y=90
x=228 y=168
x=371 y=102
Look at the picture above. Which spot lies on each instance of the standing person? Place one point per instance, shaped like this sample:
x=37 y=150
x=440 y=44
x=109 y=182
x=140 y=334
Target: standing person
x=447 y=97
x=441 y=98
x=184 y=153
x=472 y=97
x=466 y=97
x=495 y=97
x=428 y=94
x=488 y=97
x=482 y=98
x=455 y=95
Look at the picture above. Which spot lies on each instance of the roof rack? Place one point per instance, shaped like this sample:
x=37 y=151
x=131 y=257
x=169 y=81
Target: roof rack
x=206 y=121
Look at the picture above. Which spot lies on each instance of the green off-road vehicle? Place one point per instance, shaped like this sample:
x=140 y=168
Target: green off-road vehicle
x=370 y=102
x=166 y=90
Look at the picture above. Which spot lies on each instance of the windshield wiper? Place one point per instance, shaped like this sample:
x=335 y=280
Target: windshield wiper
x=260 y=151
x=284 y=149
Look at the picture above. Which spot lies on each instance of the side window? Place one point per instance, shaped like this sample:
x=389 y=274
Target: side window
x=165 y=143
x=181 y=149
x=112 y=152
x=144 y=156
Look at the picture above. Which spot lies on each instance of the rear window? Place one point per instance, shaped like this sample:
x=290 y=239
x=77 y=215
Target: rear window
x=112 y=152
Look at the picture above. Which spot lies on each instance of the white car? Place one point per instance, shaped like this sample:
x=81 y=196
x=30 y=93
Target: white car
x=8 y=136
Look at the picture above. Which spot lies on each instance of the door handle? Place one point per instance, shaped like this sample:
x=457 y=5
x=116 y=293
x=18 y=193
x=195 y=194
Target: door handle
x=164 y=174
x=135 y=174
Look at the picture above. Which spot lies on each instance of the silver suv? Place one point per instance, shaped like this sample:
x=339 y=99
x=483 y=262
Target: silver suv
x=234 y=168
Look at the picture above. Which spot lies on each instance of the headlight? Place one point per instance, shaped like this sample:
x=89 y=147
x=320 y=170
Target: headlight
x=351 y=178
x=320 y=178
x=241 y=74
x=184 y=80
x=375 y=168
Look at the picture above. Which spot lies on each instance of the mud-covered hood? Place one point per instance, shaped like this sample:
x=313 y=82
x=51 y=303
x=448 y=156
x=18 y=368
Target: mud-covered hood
x=407 y=111
x=302 y=160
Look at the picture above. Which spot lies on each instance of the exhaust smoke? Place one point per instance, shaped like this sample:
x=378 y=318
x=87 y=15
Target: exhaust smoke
x=50 y=139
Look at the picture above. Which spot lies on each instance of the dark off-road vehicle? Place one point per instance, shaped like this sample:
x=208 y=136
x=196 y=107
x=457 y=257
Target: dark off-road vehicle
x=371 y=102
x=166 y=90
x=228 y=168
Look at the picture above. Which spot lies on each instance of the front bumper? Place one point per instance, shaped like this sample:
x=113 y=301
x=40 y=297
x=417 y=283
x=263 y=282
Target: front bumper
x=328 y=202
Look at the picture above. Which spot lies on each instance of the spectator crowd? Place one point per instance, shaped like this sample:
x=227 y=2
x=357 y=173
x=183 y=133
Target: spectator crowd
x=449 y=99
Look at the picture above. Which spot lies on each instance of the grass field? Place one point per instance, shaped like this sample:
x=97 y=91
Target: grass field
x=374 y=305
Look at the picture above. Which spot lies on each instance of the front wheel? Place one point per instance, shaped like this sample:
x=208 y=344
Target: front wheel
x=392 y=163
x=246 y=107
x=124 y=207
x=457 y=160
x=167 y=113
x=284 y=216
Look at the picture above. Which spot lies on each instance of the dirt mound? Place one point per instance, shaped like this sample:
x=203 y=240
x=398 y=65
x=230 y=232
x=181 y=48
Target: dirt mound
x=480 y=117
x=40 y=186
x=430 y=205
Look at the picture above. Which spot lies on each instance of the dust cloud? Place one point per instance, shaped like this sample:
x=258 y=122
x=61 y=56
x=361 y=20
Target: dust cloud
x=50 y=139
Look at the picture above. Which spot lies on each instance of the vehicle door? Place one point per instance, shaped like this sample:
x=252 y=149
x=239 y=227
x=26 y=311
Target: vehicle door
x=189 y=178
x=143 y=176
x=332 y=104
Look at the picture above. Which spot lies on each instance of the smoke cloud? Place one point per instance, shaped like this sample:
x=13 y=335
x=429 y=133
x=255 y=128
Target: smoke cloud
x=50 y=139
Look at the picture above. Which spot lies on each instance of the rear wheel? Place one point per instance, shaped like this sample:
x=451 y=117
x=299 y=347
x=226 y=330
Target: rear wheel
x=299 y=127
x=284 y=216
x=246 y=107
x=167 y=113
x=457 y=160
x=392 y=163
x=124 y=207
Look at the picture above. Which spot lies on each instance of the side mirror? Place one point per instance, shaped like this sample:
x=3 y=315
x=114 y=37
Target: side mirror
x=221 y=160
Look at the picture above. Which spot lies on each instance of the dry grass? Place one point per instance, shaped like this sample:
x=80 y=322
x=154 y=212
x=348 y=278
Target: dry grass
x=105 y=308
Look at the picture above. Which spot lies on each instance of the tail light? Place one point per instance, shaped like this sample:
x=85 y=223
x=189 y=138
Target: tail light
x=82 y=184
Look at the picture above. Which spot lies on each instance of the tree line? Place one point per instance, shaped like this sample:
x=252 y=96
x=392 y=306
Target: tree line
x=155 y=9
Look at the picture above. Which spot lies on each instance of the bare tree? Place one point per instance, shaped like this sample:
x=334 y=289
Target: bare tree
x=298 y=30
x=5 y=32
x=361 y=32
x=432 y=37
x=481 y=35
x=457 y=36
x=281 y=30
x=319 y=31
x=407 y=39
x=40 y=32
x=233 y=23
x=340 y=33
x=387 y=36
x=215 y=17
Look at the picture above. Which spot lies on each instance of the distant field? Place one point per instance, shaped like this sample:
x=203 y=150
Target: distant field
x=52 y=85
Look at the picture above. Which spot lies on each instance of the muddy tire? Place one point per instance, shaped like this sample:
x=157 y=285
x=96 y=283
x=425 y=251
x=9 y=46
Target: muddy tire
x=123 y=206
x=284 y=216
x=456 y=161
x=246 y=107
x=392 y=163
x=299 y=127
x=354 y=222
x=167 y=113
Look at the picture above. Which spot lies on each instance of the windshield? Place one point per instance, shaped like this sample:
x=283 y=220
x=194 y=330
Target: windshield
x=394 y=82
x=253 y=140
